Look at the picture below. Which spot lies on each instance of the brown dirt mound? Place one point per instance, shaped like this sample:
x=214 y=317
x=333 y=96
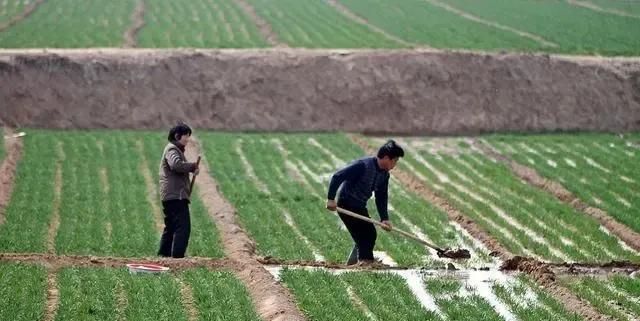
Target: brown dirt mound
x=376 y=91
x=532 y=177
x=539 y=270
x=13 y=153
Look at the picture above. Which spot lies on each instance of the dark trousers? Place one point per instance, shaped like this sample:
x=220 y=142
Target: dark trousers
x=363 y=233
x=177 y=228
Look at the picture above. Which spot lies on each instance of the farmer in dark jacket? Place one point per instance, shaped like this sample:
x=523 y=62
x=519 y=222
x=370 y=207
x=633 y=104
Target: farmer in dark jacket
x=175 y=191
x=359 y=180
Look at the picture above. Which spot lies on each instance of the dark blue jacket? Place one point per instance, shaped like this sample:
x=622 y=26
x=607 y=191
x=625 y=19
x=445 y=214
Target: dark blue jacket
x=361 y=178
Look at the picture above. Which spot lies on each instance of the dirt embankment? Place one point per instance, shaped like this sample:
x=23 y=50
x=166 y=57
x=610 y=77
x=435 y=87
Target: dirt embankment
x=399 y=92
x=543 y=274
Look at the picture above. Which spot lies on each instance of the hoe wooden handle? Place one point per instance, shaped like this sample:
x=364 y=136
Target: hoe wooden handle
x=403 y=233
x=193 y=180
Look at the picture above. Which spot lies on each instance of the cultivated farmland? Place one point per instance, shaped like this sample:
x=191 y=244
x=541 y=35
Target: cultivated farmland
x=80 y=198
x=71 y=24
x=615 y=296
x=421 y=22
x=200 y=24
x=600 y=169
x=114 y=294
x=278 y=184
x=450 y=296
x=525 y=219
x=628 y=7
x=78 y=195
x=574 y=29
x=316 y=24
x=9 y=9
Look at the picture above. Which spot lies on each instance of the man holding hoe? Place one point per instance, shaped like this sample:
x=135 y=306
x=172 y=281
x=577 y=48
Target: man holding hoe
x=359 y=180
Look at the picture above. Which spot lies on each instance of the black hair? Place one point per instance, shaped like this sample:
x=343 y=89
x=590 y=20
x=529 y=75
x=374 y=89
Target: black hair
x=390 y=149
x=179 y=130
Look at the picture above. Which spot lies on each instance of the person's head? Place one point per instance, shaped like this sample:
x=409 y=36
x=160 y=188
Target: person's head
x=180 y=133
x=388 y=155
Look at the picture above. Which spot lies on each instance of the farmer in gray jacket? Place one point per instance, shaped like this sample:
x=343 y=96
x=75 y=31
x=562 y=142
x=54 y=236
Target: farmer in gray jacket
x=175 y=191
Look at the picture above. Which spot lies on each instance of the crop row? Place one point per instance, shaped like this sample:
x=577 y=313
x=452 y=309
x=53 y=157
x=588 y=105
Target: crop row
x=114 y=294
x=617 y=296
x=85 y=193
x=526 y=220
x=11 y=8
x=629 y=7
x=600 y=169
x=419 y=21
x=409 y=295
x=278 y=184
x=574 y=29
x=72 y=24
x=199 y=23
x=315 y=24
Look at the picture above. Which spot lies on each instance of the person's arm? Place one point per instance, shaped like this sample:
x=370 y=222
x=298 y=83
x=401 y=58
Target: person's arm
x=382 y=199
x=176 y=163
x=347 y=173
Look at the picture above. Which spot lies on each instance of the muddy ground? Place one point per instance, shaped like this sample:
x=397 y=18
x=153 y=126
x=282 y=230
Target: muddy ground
x=399 y=92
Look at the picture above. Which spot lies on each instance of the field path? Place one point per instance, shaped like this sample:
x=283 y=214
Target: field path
x=412 y=183
x=532 y=177
x=265 y=28
x=348 y=13
x=28 y=10
x=594 y=7
x=53 y=295
x=13 y=148
x=271 y=300
x=186 y=294
x=493 y=24
x=54 y=224
x=137 y=22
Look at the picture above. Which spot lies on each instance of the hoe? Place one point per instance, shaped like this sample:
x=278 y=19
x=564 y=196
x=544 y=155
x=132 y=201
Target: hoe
x=447 y=252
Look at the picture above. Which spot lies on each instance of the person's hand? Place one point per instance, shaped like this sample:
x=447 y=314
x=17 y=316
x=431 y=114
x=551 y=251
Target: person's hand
x=386 y=225
x=331 y=205
x=196 y=172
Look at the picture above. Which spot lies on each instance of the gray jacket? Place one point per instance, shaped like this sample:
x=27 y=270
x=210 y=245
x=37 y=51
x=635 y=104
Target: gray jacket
x=174 y=174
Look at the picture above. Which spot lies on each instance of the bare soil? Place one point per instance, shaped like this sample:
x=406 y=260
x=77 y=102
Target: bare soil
x=13 y=153
x=402 y=92
x=53 y=296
